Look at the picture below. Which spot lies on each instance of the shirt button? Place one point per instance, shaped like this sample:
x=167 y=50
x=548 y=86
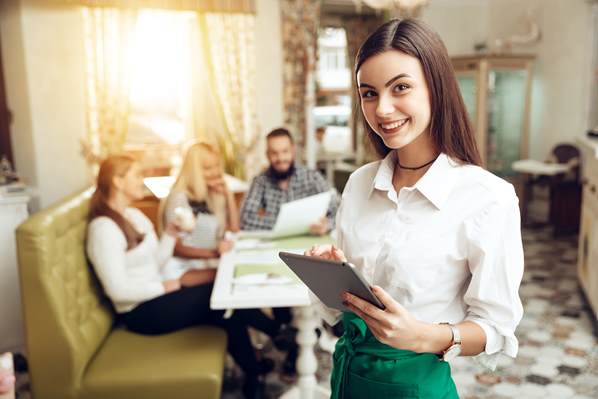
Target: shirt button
x=404 y=218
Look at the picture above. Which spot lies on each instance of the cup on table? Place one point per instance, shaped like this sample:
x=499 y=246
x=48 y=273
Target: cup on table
x=184 y=218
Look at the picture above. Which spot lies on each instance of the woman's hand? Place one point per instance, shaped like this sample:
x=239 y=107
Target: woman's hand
x=217 y=184
x=173 y=228
x=320 y=227
x=224 y=246
x=171 y=285
x=394 y=326
x=197 y=276
x=329 y=252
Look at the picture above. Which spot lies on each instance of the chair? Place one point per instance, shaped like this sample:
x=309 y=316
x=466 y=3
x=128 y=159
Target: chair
x=73 y=347
x=564 y=190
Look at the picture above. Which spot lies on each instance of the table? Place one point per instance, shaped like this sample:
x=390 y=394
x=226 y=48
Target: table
x=228 y=295
x=531 y=167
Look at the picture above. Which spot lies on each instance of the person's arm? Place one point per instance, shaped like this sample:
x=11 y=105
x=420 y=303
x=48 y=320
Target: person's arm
x=320 y=186
x=185 y=251
x=106 y=248
x=166 y=243
x=233 y=212
x=496 y=263
x=251 y=217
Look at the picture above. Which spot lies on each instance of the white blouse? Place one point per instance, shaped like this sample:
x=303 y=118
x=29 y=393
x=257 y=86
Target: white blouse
x=448 y=249
x=129 y=277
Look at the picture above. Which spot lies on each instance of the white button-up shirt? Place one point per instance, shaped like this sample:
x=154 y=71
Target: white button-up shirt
x=448 y=248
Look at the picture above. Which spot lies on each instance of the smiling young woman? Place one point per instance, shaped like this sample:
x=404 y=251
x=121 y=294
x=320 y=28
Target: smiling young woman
x=437 y=236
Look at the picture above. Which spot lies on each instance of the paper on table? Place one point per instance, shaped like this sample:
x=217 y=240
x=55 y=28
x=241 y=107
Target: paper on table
x=262 y=278
x=263 y=257
x=295 y=217
x=254 y=244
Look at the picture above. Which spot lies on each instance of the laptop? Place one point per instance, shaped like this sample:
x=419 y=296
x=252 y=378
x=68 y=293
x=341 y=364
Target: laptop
x=294 y=217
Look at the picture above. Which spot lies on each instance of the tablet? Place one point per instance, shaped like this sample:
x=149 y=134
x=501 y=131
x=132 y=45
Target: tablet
x=328 y=279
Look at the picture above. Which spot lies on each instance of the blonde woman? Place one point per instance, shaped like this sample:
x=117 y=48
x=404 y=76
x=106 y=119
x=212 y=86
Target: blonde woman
x=200 y=188
x=128 y=258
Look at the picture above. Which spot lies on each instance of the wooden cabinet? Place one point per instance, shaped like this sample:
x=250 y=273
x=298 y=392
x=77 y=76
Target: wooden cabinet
x=13 y=211
x=497 y=92
x=587 y=266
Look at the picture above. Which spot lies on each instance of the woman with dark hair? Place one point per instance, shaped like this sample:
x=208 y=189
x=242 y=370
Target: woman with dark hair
x=437 y=236
x=128 y=257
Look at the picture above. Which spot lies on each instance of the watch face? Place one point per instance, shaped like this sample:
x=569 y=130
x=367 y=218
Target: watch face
x=452 y=353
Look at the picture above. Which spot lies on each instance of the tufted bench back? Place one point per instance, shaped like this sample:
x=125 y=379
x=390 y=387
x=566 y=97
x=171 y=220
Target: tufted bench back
x=66 y=315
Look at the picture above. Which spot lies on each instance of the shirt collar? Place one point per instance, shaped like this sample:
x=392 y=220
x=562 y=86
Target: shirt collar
x=383 y=179
x=435 y=185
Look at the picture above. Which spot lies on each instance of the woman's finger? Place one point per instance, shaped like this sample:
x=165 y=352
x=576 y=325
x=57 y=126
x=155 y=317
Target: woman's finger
x=372 y=323
x=388 y=301
x=365 y=307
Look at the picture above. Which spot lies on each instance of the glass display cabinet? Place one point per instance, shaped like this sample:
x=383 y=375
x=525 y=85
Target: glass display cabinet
x=497 y=92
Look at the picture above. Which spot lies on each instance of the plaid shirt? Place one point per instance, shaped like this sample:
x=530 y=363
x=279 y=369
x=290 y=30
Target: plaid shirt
x=262 y=204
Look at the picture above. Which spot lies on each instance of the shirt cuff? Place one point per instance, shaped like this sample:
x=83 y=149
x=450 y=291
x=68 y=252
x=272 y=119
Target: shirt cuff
x=498 y=341
x=330 y=316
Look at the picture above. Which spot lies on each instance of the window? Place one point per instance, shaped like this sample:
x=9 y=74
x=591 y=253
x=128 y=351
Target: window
x=333 y=110
x=159 y=96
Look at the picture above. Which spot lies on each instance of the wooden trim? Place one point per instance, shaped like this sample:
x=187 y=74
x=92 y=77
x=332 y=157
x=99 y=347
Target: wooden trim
x=214 y=6
x=482 y=114
x=5 y=119
x=524 y=150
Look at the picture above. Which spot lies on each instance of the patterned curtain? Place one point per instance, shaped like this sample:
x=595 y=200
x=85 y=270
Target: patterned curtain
x=300 y=21
x=232 y=6
x=358 y=28
x=229 y=47
x=109 y=34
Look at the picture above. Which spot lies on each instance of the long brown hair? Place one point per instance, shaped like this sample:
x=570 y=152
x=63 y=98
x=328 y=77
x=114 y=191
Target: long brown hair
x=450 y=127
x=111 y=167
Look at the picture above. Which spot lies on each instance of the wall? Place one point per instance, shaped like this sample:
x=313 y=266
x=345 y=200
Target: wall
x=461 y=24
x=269 y=80
x=44 y=70
x=561 y=100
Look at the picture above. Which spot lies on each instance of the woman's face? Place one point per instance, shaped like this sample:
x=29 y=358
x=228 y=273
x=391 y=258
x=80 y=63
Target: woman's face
x=131 y=184
x=212 y=170
x=394 y=97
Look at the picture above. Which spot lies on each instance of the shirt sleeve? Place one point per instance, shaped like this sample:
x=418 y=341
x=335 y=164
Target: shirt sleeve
x=165 y=249
x=496 y=265
x=250 y=211
x=321 y=185
x=175 y=200
x=106 y=248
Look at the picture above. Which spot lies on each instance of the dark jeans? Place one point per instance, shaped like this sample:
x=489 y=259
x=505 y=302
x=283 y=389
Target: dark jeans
x=191 y=307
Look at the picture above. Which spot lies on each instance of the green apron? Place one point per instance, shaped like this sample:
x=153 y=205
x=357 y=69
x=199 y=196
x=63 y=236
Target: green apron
x=363 y=367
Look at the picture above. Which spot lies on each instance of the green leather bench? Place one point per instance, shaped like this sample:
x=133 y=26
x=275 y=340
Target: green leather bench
x=73 y=349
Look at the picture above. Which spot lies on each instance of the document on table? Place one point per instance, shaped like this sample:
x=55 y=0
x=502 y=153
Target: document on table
x=295 y=217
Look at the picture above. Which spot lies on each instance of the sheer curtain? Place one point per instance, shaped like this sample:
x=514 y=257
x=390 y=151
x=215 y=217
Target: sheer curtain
x=229 y=48
x=219 y=106
x=109 y=35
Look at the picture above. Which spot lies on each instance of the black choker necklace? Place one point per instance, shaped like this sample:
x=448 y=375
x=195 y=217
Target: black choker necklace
x=416 y=167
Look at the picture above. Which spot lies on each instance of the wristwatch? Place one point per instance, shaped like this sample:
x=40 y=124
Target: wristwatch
x=454 y=349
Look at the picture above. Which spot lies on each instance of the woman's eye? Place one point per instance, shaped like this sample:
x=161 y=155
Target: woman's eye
x=368 y=94
x=401 y=87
